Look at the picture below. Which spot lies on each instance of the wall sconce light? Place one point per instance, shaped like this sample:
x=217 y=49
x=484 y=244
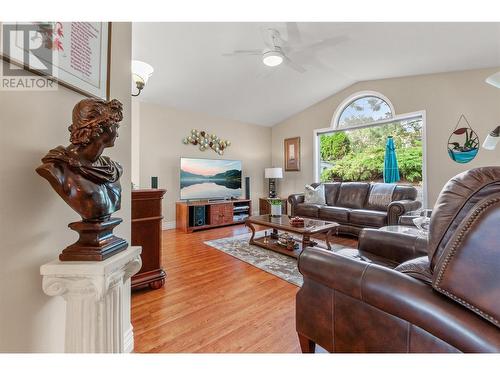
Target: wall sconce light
x=141 y=72
x=494 y=80
x=490 y=143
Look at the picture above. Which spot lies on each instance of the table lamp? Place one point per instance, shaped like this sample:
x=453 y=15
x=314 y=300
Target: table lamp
x=272 y=174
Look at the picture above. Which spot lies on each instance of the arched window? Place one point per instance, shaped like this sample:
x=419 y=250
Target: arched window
x=362 y=109
x=353 y=148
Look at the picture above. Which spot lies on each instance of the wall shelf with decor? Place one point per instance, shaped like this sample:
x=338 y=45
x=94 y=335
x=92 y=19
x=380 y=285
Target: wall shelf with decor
x=192 y=216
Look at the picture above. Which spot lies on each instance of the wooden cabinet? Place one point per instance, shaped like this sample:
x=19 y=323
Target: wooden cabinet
x=146 y=232
x=265 y=207
x=217 y=214
x=221 y=213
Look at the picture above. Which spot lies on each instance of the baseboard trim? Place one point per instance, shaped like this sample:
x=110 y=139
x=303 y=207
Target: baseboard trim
x=166 y=225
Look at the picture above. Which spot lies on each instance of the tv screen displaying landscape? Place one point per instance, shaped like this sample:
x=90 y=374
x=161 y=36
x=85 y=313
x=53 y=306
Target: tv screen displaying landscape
x=210 y=179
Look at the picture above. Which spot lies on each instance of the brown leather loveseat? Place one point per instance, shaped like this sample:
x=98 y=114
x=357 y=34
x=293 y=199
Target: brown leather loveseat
x=384 y=297
x=351 y=205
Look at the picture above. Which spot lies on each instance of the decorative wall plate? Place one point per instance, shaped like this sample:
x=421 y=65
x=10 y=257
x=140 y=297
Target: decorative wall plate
x=463 y=143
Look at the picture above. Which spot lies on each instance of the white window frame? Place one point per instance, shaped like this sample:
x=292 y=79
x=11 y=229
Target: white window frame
x=352 y=98
x=395 y=118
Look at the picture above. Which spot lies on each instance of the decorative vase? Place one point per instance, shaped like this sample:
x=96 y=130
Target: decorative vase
x=275 y=210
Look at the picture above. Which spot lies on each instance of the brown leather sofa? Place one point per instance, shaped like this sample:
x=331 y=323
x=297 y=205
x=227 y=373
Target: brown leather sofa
x=385 y=297
x=348 y=203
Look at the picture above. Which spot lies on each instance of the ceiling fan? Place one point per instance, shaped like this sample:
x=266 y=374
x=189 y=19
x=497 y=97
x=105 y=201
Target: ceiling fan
x=273 y=54
x=279 y=50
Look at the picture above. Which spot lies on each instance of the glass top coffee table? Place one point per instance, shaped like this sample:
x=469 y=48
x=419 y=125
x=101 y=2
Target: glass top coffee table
x=282 y=223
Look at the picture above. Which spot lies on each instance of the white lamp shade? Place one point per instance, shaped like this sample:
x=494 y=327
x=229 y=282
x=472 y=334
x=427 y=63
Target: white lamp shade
x=273 y=173
x=494 y=80
x=490 y=142
x=141 y=71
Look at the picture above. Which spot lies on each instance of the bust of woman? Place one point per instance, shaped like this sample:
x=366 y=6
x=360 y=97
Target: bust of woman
x=87 y=181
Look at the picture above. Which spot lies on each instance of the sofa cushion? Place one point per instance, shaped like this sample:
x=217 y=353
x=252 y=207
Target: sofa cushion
x=365 y=256
x=380 y=196
x=353 y=194
x=403 y=192
x=368 y=218
x=417 y=268
x=337 y=214
x=307 y=210
x=314 y=195
x=331 y=192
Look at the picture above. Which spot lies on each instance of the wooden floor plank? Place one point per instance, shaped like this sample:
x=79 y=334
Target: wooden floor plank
x=213 y=302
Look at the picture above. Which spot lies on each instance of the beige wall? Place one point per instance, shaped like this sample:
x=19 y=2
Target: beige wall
x=443 y=96
x=136 y=142
x=161 y=133
x=33 y=227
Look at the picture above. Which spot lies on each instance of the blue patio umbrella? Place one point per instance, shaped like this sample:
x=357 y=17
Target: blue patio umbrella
x=391 y=170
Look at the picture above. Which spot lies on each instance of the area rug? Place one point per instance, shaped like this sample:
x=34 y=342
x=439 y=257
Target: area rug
x=280 y=265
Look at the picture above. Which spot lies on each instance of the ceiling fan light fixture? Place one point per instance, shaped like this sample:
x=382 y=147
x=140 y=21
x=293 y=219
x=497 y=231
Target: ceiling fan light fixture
x=272 y=58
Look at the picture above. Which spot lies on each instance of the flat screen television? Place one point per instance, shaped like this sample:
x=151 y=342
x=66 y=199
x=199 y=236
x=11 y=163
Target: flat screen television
x=210 y=178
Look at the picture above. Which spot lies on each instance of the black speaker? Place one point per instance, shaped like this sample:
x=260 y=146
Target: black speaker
x=247 y=187
x=197 y=216
x=154 y=182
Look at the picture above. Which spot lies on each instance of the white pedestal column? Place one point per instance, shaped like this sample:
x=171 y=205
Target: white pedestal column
x=97 y=298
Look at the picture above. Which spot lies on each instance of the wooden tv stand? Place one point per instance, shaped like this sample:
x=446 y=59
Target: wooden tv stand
x=217 y=213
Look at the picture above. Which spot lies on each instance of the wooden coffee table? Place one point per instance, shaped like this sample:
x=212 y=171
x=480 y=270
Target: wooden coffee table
x=282 y=223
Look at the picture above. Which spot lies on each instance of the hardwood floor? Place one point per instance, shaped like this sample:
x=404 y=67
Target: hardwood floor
x=212 y=302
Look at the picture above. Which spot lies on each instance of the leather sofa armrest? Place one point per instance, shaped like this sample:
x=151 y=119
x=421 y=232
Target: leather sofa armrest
x=398 y=247
x=402 y=296
x=295 y=199
x=399 y=208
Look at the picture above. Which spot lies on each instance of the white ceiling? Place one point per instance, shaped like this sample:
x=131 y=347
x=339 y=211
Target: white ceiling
x=191 y=72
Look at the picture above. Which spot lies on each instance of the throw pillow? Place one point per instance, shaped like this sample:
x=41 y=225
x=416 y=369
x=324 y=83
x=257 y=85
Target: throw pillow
x=380 y=196
x=314 y=195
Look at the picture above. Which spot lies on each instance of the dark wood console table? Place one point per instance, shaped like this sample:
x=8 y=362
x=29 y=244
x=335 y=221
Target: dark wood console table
x=146 y=232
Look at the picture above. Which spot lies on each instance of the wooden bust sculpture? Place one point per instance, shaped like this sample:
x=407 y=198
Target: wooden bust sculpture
x=87 y=181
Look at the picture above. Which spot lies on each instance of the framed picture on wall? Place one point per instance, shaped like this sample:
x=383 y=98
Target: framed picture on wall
x=75 y=55
x=292 y=154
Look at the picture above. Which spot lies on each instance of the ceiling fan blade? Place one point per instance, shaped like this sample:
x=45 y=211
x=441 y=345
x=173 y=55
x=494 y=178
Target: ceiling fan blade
x=266 y=34
x=247 y=52
x=328 y=42
x=294 y=66
x=293 y=33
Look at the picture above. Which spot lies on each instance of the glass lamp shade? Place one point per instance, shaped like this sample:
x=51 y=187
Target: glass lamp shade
x=273 y=173
x=272 y=58
x=494 y=80
x=141 y=71
x=490 y=143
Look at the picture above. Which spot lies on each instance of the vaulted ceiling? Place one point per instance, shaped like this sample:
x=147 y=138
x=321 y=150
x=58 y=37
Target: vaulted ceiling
x=192 y=73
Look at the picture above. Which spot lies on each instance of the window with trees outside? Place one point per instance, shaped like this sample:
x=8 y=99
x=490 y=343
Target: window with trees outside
x=356 y=149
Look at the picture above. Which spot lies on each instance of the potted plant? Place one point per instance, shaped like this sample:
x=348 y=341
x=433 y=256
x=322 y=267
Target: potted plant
x=275 y=207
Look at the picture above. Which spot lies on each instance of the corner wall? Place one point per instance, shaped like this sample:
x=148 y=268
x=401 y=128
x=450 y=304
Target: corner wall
x=161 y=132
x=444 y=97
x=33 y=221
